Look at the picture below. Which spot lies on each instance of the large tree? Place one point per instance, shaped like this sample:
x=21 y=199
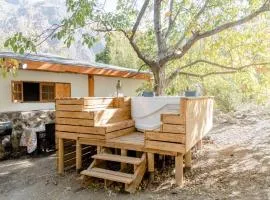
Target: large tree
x=161 y=32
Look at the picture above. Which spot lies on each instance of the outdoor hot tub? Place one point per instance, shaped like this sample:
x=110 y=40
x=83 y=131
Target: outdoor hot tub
x=146 y=110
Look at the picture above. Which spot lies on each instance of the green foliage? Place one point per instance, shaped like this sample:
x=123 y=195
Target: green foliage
x=230 y=91
x=145 y=87
x=19 y=43
x=233 y=48
x=104 y=56
x=118 y=52
x=8 y=65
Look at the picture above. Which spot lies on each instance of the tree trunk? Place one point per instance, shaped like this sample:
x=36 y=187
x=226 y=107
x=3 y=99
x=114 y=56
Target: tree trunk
x=159 y=80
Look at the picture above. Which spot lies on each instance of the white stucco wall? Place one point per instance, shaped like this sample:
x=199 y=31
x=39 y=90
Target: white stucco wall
x=79 y=88
x=106 y=86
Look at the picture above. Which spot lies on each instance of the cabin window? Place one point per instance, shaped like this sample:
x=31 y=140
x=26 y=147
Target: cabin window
x=47 y=91
x=27 y=91
x=30 y=91
x=17 y=91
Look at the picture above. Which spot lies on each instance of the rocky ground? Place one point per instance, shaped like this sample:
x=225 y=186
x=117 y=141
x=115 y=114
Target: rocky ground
x=233 y=164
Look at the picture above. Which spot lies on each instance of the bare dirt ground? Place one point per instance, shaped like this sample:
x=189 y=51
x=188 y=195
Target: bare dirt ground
x=233 y=164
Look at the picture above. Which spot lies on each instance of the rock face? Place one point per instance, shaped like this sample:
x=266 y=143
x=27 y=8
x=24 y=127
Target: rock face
x=20 y=121
x=37 y=15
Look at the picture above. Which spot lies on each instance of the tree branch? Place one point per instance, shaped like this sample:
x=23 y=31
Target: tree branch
x=201 y=11
x=198 y=36
x=139 y=18
x=205 y=75
x=171 y=10
x=223 y=27
x=171 y=20
x=140 y=68
x=231 y=70
x=137 y=50
x=157 y=27
x=196 y=17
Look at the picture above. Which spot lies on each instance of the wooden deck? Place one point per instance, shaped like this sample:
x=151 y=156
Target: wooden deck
x=78 y=121
x=132 y=141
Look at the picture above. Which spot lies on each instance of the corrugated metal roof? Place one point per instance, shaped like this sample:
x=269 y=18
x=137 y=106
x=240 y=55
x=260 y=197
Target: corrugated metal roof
x=65 y=61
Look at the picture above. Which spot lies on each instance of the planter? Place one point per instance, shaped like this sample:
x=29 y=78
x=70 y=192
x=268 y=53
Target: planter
x=191 y=94
x=147 y=94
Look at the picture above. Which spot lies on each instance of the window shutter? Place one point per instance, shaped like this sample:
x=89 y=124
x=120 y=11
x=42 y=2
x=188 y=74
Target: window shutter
x=17 y=91
x=47 y=91
x=62 y=90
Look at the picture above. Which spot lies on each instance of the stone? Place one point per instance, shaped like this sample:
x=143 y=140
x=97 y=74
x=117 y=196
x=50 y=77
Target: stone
x=2 y=152
x=22 y=120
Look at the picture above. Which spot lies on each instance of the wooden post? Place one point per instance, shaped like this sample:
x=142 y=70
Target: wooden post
x=98 y=149
x=60 y=156
x=179 y=175
x=188 y=159
x=123 y=153
x=151 y=165
x=78 y=156
x=91 y=86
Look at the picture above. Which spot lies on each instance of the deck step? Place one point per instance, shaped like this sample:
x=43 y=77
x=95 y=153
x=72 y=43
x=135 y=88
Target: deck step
x=109 y=175
x=118 y=158
x=110 y=127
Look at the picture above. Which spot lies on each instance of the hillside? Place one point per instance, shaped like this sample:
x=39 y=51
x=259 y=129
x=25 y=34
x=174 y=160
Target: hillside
x=33 y=16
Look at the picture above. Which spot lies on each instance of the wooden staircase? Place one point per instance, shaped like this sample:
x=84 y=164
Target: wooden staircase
x=131 y=181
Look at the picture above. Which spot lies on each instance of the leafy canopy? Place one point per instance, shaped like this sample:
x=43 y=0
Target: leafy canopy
x=163 y=33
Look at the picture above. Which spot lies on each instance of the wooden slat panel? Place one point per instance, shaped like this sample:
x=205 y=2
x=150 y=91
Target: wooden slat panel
x=92 y=136
x=78 y=122
x=81 y=107
x=165 y=146
x=121 y=102
x=112 y=115
x=172 y=119
x=66 y=135
x=97 y=106
x=81 y=129
x=89 y=141
x=75 y=136
x=170 y=153
x=79 y=115
x=119 y=125
x=98 y=101
x=119 y=133
x=172 y=128
x=199 y=119
x=69 y=107
x=69 y=101
x=169 y=137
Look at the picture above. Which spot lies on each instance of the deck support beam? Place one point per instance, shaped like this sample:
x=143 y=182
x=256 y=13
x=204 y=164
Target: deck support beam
x=78 y=156
x=123 y=153
x=188 y=159
x=151 y=165
x=60 y=156
x=179 y=173
x=99 y=149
